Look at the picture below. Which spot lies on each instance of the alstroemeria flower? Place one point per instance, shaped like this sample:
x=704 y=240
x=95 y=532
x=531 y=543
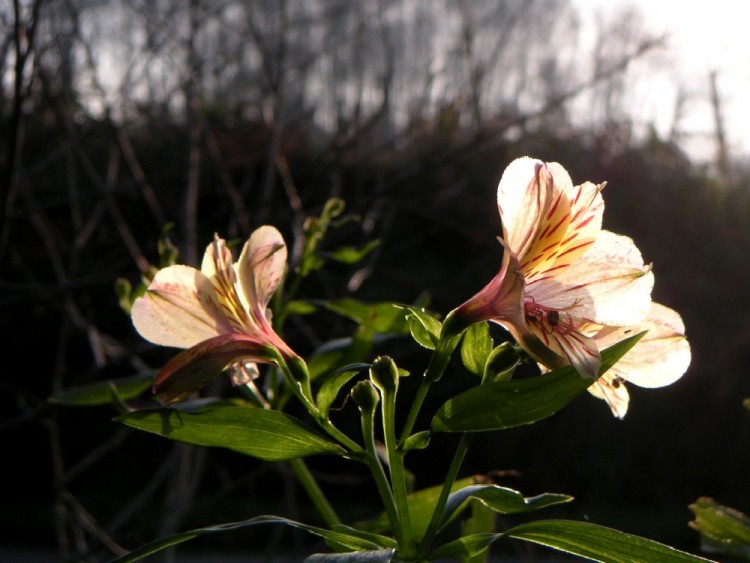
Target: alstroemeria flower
x=659 y=359
x=559 y=268
x=219 y=313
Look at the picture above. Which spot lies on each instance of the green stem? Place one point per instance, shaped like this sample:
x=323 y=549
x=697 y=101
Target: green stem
x=300 y=386
x=398 y=478
x=450 y=478
x=308 y=482
x=435 y=369
x=339 y=436
x=378 y=474
x=416 y=405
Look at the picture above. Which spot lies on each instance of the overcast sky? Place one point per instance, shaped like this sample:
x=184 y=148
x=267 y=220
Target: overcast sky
x=703 y=37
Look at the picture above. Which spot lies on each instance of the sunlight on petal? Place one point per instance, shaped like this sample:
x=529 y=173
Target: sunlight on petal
x=261 y=267
x=179 y=309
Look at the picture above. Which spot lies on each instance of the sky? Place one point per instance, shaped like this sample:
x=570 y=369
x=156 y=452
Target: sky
x=703 y=37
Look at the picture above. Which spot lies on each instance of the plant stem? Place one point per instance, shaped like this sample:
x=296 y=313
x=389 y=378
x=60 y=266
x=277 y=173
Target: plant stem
x=450 y=478
x=416 y=405
x=318 y=498
x=378 y=474
x=398 y=479
x=435 y=369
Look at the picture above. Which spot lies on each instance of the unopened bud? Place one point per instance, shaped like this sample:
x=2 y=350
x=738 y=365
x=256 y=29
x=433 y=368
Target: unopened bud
x=384 y=374
x=365 y=395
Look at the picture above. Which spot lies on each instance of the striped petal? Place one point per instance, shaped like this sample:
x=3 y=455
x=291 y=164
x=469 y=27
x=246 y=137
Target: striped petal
x=569 y=343
x=609 y=284
x=524 y=197
x=547 y=222
x=218 y=267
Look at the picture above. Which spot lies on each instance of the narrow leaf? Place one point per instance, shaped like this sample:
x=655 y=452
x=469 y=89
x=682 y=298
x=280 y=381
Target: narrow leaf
x=421 y=505
x=598 y=543
x=481 y=521
x=501 y=499
x=100 y=393
x=261 y=433
x=466 y=546
x=340 y=538
x=330 y=389
x=376 y=539
x=378 y=556
x=507 y=404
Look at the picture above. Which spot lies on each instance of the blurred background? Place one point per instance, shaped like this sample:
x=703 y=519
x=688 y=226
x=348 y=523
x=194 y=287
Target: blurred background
x=121 y=117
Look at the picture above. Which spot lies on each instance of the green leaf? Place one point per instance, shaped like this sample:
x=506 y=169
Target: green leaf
x=501 y=363
x=421 y=505
x=476 y=347
x=350 y=254
x=502 y=500
x=328 y=357
x=466 y=546
x=423 y=326
x=379 y=317
x=333 y=384
x=507 y=404
x=300 y=307
x=378 y=556
x=481 y=521
x=418 y=441
x=376 y=539
x=101 y=392
x=722 y=528
x=598 y=543
x=346 y=540
x=265 y=434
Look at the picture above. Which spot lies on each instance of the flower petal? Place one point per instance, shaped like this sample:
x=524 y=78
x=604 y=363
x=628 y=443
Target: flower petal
x=217 y=265
x=609 y=284
x=190 y=370
x=261 y=267
x=179 y=309
x=660 y=358
x=610 y=389
x=576 y=348
x=524 y=197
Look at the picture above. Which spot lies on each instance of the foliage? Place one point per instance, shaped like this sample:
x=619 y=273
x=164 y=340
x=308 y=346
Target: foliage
x=420 y=522
x=94 y=190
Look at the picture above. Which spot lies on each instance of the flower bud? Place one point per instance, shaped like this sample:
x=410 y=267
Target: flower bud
x=384 y=374
x=365 y=395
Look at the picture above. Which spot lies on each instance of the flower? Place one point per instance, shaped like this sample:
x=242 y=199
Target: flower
x=218 y=313
x=559 y=269
x=659 y=359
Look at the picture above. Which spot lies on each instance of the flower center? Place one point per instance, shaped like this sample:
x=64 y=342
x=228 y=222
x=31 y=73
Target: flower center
x=548 y=319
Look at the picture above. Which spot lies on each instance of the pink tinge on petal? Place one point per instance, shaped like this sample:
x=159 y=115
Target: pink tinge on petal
x=561 y=343
x=501 y=299
x=190 y=370
x=260 y=269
